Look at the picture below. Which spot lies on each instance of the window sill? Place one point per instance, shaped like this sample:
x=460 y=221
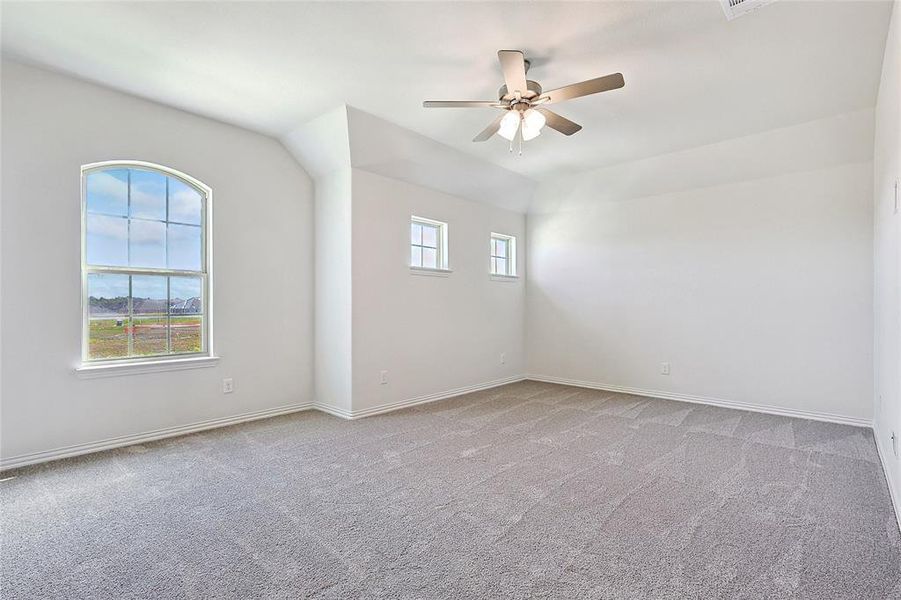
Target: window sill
x=430 y=272
x=113 y=369
x=509 y=278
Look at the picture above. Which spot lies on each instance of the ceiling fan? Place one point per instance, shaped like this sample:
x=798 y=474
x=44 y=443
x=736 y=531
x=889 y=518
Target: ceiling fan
x=523 y=102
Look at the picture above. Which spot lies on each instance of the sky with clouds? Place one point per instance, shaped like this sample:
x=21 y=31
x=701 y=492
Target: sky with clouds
x=127 y=225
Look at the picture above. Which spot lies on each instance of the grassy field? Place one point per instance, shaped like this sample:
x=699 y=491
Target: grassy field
x=185 y=332
x=108 y=339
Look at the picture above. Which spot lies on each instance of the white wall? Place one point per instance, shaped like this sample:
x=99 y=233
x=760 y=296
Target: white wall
x=746 y=265
x=887 y=250
x=432 y=334
x=322 y=146
x=333 y=285
x=263 y=265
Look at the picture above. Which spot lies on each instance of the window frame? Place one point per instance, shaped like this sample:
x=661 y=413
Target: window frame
x=178 y=360
x=442 y=243
x=511 y=255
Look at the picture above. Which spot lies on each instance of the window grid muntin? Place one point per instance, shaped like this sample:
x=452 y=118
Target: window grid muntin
x=88 y=269
x=439 y=247
x=509 y=243
x=422 y=245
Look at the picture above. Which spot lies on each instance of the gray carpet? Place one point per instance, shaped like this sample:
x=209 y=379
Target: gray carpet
x=530 y=490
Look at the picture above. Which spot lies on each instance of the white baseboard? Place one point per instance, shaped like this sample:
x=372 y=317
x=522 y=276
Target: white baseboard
x=79 y=449
x=140 y=438
x=774 y=410
x=884 y=455
x=384 y=408
x=333 y=410
x=22 y=460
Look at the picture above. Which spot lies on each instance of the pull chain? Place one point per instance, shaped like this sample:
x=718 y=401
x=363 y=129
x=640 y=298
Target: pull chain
x=517 y=136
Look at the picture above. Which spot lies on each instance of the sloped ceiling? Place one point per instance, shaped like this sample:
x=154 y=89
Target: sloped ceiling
x=845 y=139
x=346 y=138
x=692 y=78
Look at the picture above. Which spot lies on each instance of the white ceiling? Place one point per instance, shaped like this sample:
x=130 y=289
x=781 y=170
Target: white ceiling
x=692 y=78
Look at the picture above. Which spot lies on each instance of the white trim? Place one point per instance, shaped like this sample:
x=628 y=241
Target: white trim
x=764 y=408
x=140 y=438
x=507 y=278
x=384 y=408
x=884 y=456
x=149 y=436
x=113 y=369
x=430 y=272
x=128 y=440
x=335 y=411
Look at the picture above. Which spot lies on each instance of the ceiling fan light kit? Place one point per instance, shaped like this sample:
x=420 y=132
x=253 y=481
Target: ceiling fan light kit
x=525 y=115
x=531 y=121
x=509 y=125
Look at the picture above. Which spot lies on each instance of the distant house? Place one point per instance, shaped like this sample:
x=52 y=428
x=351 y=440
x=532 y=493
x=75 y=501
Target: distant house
x=148 y=306
x=117 y=307
x=191 y=306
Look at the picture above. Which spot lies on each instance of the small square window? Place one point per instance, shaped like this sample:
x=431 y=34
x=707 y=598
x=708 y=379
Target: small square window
x=503 y=255
x=428 y=244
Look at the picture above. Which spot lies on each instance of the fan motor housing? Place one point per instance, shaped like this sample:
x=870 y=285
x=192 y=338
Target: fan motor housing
x=533 y=92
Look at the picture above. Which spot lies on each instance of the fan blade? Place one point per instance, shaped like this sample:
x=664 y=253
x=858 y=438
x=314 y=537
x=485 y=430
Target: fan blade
x=461 y=104
x=592 y=86
x=513 y=65
x=561 y=124
x=490 y=130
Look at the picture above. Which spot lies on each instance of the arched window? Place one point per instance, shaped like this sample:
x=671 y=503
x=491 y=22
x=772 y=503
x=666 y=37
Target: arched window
x=145 y=263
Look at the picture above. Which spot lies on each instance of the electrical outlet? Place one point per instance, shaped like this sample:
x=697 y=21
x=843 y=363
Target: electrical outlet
x=895 y=444
x=503 y=358
x=228 y=385
x=383 y=377
x=664 y=368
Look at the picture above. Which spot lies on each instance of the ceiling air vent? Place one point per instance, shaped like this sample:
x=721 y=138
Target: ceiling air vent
x=738 y=8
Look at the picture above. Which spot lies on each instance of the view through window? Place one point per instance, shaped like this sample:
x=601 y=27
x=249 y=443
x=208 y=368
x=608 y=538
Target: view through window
x=145 y=263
